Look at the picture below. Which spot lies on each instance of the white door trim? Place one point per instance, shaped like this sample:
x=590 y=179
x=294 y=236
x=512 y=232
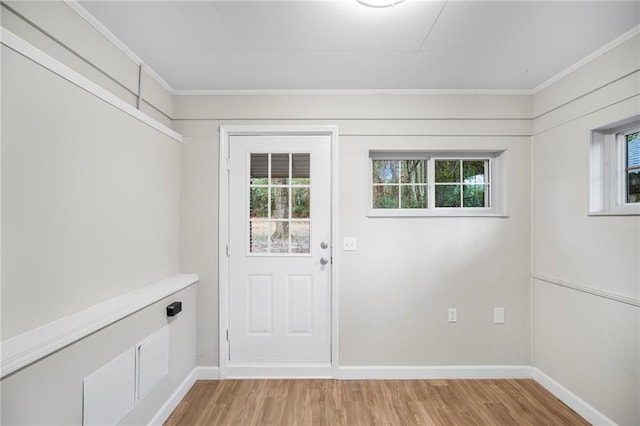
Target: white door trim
x=223 y=237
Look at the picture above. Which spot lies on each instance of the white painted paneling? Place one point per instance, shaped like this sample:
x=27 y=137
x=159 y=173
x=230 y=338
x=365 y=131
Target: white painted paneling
x=67 y=27
x=393 y=291
x=94 y=187
x=578 y=328
x=576 y=333
x=109 y=392
x=336 y=107
x=605 y=69
x=300 y=304
x=152 y=361
x=259 y=304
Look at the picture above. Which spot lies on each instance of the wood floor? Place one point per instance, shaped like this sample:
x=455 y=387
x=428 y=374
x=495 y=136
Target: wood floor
x=371 y=402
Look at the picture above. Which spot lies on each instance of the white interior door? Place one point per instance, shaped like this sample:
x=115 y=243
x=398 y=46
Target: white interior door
x=279 y=248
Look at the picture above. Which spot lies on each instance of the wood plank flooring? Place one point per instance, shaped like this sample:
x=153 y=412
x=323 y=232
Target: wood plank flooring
x=371 y=402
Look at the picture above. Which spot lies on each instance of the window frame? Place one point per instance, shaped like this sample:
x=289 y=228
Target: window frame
x=607 y=170
x=496 y=182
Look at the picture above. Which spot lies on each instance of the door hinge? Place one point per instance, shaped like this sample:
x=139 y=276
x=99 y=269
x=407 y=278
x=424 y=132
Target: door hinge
x=227 y=249
x=332 y=260
x=227 y=335
x=228 y=164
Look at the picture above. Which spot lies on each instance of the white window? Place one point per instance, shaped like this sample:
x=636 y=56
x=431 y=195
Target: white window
x=615 y=169
x=433 y=183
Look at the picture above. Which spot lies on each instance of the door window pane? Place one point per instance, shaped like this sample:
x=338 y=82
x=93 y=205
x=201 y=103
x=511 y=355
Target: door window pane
x=259 y=202
x=280 y=236
x=280 y=203
x=300 y=199
x=279 y=196
x=258 y=236
x=300 y=236
x=280 y=169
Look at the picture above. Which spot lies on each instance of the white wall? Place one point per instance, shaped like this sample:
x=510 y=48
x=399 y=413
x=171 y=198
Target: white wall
x=395 y=290
x=91 y=199
x=90 y=211
x=587 y=343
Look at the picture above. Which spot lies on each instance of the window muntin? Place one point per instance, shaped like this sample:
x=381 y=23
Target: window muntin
x=632 y=169
x=433 y=183
x=279 y=200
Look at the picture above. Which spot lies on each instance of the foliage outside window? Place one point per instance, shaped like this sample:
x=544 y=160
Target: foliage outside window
x=399 y=184
x=632 y=169
x=462 y=183
x=432 y=183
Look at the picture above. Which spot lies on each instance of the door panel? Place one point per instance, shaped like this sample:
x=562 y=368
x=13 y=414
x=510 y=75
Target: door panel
x=279 y=214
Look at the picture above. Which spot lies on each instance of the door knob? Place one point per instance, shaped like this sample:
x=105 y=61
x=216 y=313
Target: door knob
x=324 y=245
x=324 y=261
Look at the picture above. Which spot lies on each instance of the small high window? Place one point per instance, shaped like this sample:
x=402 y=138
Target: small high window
x=435 y=183
x=632 y=169
x=615 y=169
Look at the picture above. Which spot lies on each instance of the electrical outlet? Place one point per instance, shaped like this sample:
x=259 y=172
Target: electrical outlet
x=453 y=315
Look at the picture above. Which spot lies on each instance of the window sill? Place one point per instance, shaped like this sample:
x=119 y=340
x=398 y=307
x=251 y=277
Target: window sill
x=635 y=212
x=433 y=213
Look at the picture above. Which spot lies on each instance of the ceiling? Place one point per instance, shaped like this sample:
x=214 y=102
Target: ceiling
x=341 y=45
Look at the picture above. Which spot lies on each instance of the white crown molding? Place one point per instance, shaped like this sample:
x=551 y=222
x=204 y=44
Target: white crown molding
x=26 y=348
x=604 y=49
x=87 y=16
x=341 y=92
x=38 y=56
x=346 y=92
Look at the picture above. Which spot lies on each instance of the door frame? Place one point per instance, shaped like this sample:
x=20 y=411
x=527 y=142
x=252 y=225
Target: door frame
x=266 y=370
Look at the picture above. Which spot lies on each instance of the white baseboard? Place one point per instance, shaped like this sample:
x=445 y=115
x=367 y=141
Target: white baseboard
x=167 y=408
x=572 y=400
x=249 y=370
x=198 y=373
x=433 y=372
x=208 y=373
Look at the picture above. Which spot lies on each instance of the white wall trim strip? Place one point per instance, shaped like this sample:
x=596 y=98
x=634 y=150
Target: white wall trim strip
x=38 y=56
x=26 y=348
x=574 y=402
x=600 y=293
x=604 y=49
x=433 y=372
x=91 y=20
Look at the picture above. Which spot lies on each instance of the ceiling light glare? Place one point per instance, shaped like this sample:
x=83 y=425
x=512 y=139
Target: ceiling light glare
x=379 y=3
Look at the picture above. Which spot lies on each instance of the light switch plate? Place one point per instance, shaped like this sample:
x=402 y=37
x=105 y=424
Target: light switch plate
x=349 y=244
x=498 y=315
